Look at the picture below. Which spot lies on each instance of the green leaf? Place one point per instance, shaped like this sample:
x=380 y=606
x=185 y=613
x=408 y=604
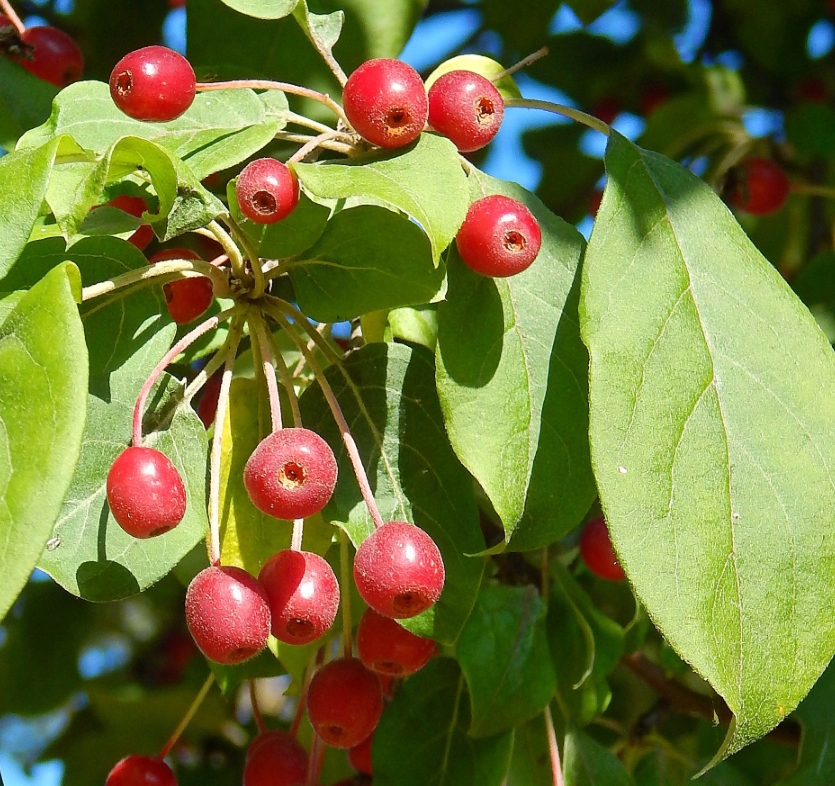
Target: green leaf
x=531 y=762
x=522 y=367
x=286 y=238
x=417 y=325
x=503 y=652
x=25 y=101
x=368 y=258
x=422 y=737
x=589 y=10
x=89 y=554
x=263 y=9
x=323 y=30
x=425 y=181
x=220 y=129
x=713 y=437
x=43 y=376
x=586 y=646
x=587 y=763
x=388 y=397
x=8 y=302
x=249 y=537
x=24 y=176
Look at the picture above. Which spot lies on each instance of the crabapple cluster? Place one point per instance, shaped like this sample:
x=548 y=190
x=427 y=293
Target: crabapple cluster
x=291 y=475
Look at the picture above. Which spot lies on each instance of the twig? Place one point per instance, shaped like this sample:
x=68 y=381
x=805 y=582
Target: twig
x=190 y=713
x=308 y=147
x=523 y=63
x=560 y=109
x=329 y=144
x=314 y=764
x=258 y=335
x=170 y=268
x=7 y=9
x=553 y=748
x=256 y=710
x=286 y=87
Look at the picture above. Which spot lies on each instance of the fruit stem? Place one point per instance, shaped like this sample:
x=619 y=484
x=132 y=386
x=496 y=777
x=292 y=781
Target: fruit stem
x=314 y=764
x=345 y=595
x=327 y=55
x=232 y=251
x=180 y=346
x=170 y=268
x=812 y=190
x=235 y=331
x=315 y=660
x=560 y=109
x=311 y=145
x=523 y=63
x=7 y=9
x=255 y=261
x=553 y=748
x=328 y=144
x=286 y=380
x=190 y=713
x=298 y=535
x=258 y=334
x=256 y=710
x=286 y=87
x=206 y=372
x=336 y=410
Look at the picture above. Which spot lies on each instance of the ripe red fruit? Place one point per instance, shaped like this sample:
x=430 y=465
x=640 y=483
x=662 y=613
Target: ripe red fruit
x=344 y=702
x=138 y=770
x=274 y=758
x=385 y=101
x=187 y=298
x=145 y=492
x=291 y=474
x=207 y=407
x=303 y=595
x=227 y=614
x=153 y=83
x=135 y=206
x=598 y=553
x=267 y=191
x=398 y=570
x=467 y=108
x=387 y=648
x=499 y=237
x=762 y=188
x=359 y=757
x=56 y=58
x=607 y=109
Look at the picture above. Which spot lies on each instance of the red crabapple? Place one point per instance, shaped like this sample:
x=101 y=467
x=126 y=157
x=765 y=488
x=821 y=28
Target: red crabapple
x=344 y=702
x=499 y=237
x=138 y=770
x=153 y=83
x=185 y=298
x=467 y=108
x=359 y=757
x=274 y=758
x=385 y=101
x=291 y=474
x=267 y=191
x=303 y=595
x=55 y=58
x=228 y=614
x=398 y=570
x=387 y=648
x=762 y=189
x=134 y=206
x=598 y=553
x=145 y=492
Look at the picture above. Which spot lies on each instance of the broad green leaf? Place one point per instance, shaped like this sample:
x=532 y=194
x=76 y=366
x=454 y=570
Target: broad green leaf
x=25 y=101
x=426 y=182
x=323 y=30
x=8 y=302
x=503 y=652
x=418 y=325
x=286 y=238
x=43 y=376
x=530 y=764
x=586 y=646
x=522 y=368
x=263 y=9
x=249 y=537
x=220 y=129
x=587 y=763
x=387 y=394
x=588 y=10
x=368 y=258
x=816 y=760
x=24 y=176
x=88 y=553
x=422 y=737
x=43 y=641
x=713 y=437
x=479 y=64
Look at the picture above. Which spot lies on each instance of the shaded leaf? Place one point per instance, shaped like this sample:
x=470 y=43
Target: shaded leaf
x=25 y=101
x=263 y=9
x=43 y=378
x=712 y=415
x=587 y=763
